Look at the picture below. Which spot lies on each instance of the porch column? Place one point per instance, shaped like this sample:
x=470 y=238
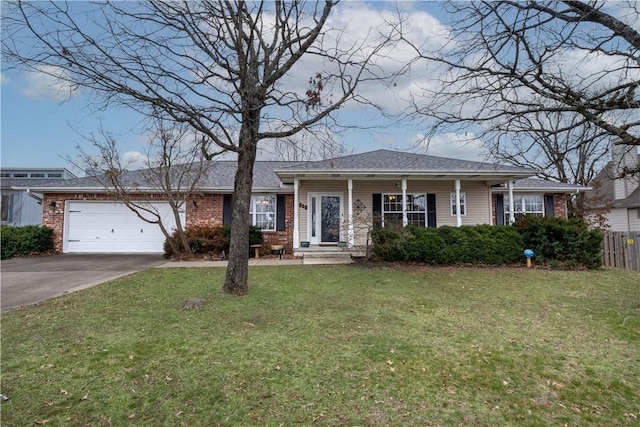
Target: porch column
x=351 y=236
x=512 y=214
x=405 y=220
x=458 y=213
x=296 y=214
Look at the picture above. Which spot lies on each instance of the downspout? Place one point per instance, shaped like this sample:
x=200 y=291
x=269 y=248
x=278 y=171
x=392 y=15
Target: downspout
x=30 y=194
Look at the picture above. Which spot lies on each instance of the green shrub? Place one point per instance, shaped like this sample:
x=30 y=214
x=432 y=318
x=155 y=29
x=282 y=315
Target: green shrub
x=562 y=242
x=210 y=239
x=479 y=244
x=25 y=240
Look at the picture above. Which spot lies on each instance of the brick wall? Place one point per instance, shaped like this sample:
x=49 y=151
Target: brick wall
x=200 y=209
x=204 y=209
x=54 y=218
x=560 y=205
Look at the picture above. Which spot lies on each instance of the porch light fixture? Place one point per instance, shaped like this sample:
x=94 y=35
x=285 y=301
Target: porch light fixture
x=52 y=205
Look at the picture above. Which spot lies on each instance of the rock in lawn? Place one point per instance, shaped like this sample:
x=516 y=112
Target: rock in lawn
x=192 y=303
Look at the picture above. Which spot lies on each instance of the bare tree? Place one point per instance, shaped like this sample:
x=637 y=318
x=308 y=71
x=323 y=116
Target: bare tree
x=559 y=78
x=551 y=143
x=306 y=146
x=222 y=67
x=174 y=164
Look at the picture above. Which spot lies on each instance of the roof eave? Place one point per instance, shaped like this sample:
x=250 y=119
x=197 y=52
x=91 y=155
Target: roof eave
x=539 y=189
x=377 y=174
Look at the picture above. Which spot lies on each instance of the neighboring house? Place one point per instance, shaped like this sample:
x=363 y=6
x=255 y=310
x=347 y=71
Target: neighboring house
x=618 y=198
x=319 y=203
x=23 y=207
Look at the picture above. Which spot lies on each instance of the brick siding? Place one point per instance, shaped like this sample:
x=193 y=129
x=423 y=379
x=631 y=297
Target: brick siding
x=560 y=205
x=200 y=209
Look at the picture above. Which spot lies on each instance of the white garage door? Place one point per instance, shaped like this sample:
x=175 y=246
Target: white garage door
x=109 y=227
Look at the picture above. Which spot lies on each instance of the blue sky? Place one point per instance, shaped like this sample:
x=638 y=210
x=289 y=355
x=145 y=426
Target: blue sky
x=41 y=124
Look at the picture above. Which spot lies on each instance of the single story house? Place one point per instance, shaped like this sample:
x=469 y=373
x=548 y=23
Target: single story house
x=317 y=203
x=23 y=207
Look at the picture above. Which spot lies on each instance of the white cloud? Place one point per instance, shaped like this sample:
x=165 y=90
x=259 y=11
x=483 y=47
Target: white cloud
x=453 y=145
x=423 y=29
x=48 y=82
x=4 y=79
x=594 y=69
x=134 y=160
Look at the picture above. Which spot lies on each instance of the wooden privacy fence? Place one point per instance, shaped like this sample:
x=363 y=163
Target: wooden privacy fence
x=621 y=249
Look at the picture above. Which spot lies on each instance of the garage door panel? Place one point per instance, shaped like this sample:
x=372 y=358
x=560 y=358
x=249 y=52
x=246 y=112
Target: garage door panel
x=113 y=228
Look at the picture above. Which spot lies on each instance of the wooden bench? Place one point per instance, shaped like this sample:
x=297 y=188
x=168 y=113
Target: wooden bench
x=257 y=250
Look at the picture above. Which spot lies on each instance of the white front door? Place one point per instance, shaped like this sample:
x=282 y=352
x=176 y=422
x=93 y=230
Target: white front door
x=325 y=218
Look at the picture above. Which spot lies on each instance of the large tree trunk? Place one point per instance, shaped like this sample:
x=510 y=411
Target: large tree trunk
x=237 y=280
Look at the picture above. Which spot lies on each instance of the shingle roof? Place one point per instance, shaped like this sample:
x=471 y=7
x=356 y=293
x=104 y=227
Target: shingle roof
x=27 y=182
x=220 y=176
x=537 y=184
x=633 y=201
x=397 y=161
x=267 y=174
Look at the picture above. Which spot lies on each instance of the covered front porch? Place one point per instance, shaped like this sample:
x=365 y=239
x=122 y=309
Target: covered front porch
x=337 y=215
x=337 y=201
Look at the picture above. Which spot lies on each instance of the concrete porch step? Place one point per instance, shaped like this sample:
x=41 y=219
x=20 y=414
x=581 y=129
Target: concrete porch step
x=326 y=257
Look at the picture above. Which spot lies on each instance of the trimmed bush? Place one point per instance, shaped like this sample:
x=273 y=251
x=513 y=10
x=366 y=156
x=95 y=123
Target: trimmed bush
x=25 y=240
x=211 y=240
x=479 y=244
x=562 y=242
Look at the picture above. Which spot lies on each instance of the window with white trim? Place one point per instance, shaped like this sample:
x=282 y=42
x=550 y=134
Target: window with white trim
x=416 y=209
x=463 y=208
x=263 y=212
x=524 y=204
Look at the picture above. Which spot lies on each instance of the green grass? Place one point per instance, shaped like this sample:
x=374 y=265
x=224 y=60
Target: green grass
x=331 y=346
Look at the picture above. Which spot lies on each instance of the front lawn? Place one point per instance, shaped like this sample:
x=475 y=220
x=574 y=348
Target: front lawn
x=331 y=346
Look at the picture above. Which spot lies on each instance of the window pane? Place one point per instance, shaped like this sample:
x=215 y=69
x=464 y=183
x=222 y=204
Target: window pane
x=417 y=219
x=532 y=204
x=263 y=212
x=392 y=209
x=419 y=203
x=454 y=211
x=392 y=203
x=392 y=219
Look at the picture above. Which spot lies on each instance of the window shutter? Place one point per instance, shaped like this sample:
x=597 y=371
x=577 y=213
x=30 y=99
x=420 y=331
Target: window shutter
x=499 y=209
x=280 y=212
x=548 y=205
x=431 y=210
x=227 y=208
x=377 y=210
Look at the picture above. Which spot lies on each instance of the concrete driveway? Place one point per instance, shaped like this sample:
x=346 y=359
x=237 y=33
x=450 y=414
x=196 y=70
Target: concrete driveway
x=27 y=281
